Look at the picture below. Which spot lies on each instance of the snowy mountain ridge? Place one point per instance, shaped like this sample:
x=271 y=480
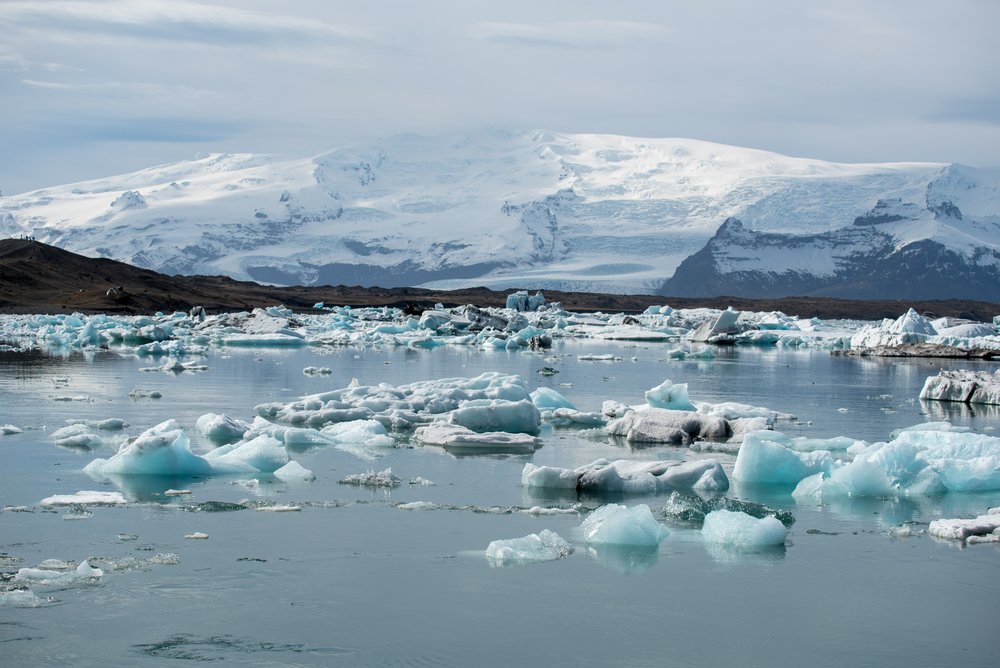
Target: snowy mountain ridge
x=502 y=209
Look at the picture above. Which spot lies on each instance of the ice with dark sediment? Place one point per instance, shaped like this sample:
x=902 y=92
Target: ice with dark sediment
x=457 y=438
x=970 y=387
x=982 y=529
x=629 y=477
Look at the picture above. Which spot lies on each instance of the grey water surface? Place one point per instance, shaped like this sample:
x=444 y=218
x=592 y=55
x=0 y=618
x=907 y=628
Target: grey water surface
x=352 y=580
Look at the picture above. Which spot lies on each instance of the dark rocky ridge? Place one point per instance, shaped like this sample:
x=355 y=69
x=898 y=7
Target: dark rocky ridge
x=38 y=278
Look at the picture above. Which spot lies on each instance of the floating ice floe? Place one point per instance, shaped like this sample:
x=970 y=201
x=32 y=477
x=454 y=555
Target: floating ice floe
x=926 y=459
x=317 y=371
x=629 y=477
x=489 y=402
x=970 y=387
x=742 y=531
x=372 y=478
x=615 y=524
x=545 y=545
x=982 y=529
x=84 y=498
x=58 y=577
x=9 y=429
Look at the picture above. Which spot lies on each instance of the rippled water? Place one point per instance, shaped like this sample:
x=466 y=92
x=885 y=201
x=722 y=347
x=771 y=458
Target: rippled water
x=353 y=580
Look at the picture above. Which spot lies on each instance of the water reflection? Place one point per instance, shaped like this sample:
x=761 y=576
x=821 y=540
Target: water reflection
x=728 y=554
x=625 y=559
x=151 y=488
x=953 y=411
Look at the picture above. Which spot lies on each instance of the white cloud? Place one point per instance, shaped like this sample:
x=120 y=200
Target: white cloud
x=576 y=34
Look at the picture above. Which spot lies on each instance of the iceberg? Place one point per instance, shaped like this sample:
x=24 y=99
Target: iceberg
x=293 y=471
x=629 y=477
x=614 y=524
x=661 y=425
x=220 y=428
x=58 y=578
x=970 y=387
x=742 y=531
x=670 y=395
x=498 y=415
x=982 y=529
x=545 y=545
x=84 y=498
x=372 y=478
x=457 y=438
x=768 y=458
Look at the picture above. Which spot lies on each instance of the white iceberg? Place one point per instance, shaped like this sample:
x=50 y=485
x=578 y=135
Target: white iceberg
x=220 y=428
x=629 y=477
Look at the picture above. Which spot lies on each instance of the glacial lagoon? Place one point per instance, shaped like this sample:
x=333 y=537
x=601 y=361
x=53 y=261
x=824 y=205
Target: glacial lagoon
x=315 y=572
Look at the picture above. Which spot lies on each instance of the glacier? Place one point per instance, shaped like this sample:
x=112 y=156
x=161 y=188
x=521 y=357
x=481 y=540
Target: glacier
x=510 y=209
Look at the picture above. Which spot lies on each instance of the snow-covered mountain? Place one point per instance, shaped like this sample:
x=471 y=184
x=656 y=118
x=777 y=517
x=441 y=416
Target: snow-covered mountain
x=898 y=250
x=503 y=209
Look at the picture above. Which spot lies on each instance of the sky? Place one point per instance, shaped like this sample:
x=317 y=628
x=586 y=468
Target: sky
x=91 y=88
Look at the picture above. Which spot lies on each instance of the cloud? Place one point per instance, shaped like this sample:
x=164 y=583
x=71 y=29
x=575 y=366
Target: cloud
x=572 y=34
x=175 y=21
x=126 y=89
x=88 y=130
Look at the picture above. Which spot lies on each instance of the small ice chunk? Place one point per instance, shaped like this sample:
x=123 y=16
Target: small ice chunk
x=20 y=598
x=197 y=535
x=58 y=577
x=419 y=505
x=545 y=545
x=279 y=508
x=742 y=531
x=294 y=471
x=84 y=498
x=317 y=371
x=421 y=481
x=8 y=429
x=614 y=524
x=372 y=478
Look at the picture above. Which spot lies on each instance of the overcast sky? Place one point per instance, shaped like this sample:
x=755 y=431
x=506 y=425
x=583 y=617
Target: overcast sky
x=97 y=87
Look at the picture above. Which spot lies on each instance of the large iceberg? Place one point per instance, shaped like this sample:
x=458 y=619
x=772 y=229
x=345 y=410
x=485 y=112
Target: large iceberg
x=932 y=458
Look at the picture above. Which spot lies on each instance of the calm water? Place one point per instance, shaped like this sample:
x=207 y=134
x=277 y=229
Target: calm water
x=353 y=580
